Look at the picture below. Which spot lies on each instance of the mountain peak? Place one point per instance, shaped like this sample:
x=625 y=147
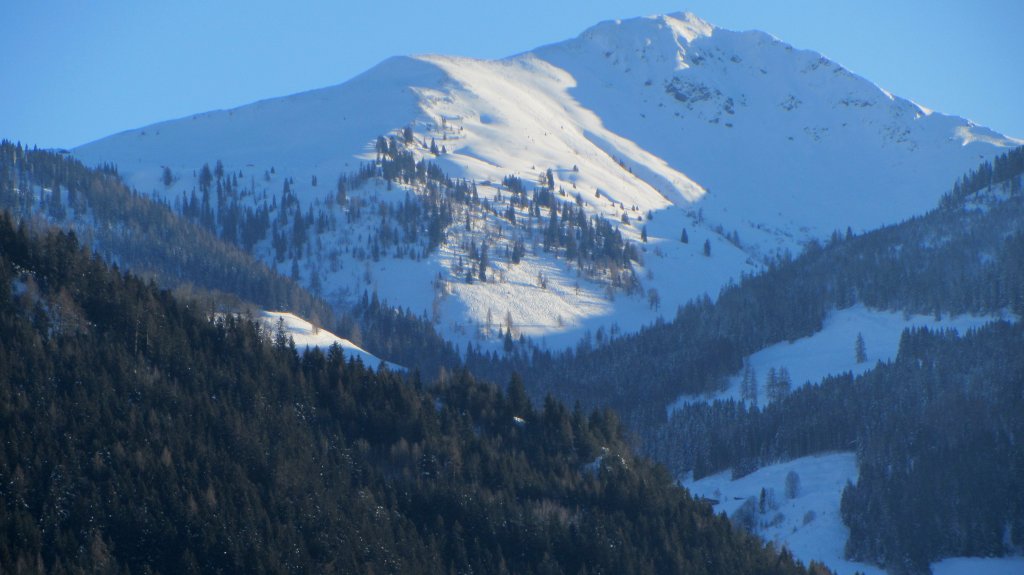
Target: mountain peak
x=662 y=127
x=682 y=25
x=688 y=25
x=639 y=43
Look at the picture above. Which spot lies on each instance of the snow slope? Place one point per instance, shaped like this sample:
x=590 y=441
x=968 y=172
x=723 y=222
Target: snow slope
x=831 y=350
x=305 y=336
x=785 y=140
x=822 y=537
x=821 y=479
x=745 y=142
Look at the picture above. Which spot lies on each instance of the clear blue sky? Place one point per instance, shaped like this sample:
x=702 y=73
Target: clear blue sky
x=72 y=71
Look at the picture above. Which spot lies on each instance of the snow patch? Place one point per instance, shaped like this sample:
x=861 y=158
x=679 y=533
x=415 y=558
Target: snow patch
x=305 y=336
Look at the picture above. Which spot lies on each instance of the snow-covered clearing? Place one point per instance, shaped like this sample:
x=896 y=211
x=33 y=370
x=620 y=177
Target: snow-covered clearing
x=305 y=336
x=831 y=351
x=808 y=524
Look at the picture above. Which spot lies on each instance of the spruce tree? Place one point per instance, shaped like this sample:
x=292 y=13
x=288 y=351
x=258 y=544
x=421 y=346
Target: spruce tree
x=748 y=386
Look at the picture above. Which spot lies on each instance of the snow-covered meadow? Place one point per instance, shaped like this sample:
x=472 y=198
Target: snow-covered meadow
x=831 y=351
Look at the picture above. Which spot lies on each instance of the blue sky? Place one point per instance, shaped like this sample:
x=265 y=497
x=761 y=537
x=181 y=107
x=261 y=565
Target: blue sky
x=73 y=71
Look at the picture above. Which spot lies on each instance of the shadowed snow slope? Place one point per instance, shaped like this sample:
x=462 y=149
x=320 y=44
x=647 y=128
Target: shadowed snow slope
x=809 y=523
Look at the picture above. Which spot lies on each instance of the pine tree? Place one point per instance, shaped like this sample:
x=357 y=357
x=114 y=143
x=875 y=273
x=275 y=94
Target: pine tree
x=748 y=386
x=792 y=485
x=205 y=178
x=784 y=382
x=518 y=250
x=771 y=384
x=778 y=384
x=653 y=299
x=508 y=345
x=483 y=262
x=684 y=237
x=860 y=349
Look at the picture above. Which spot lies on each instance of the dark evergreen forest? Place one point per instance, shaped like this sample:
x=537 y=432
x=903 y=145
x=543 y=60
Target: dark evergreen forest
x=934 y=431
x=142 y=434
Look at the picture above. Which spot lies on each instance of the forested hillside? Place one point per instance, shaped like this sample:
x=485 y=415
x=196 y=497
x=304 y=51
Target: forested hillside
x=966 y=256
x=749 y=270
x=935 y=431
x=192 y=254
x=935 y=434
x=139 y=434
x=136 y=232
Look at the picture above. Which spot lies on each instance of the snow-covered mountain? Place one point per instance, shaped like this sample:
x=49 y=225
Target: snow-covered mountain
x=659 y=126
